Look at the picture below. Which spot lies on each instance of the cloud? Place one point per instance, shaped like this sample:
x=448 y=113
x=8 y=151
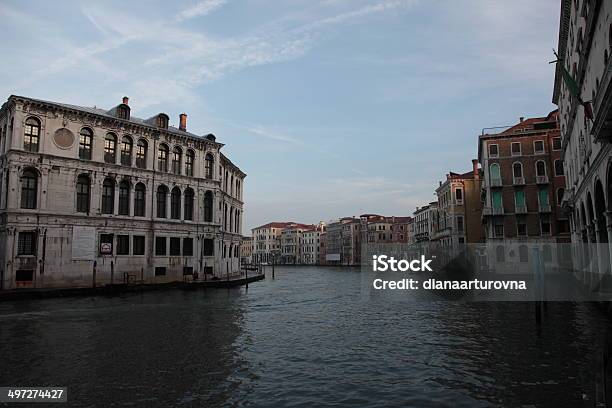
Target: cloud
x=201 y=8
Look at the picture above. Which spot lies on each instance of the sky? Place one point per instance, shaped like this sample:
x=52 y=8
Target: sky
x=332 y=107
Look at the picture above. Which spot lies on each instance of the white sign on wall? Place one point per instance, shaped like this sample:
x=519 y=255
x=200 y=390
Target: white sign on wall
x=332 y=257
x=83 y=243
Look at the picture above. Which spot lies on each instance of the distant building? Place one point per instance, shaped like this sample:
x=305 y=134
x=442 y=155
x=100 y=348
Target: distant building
x=524 y=182
x=402 y=229
x=311 y=244
x=246 y=250
x=333 y=255
x=425 y=222
x=291 y=243
x=380 y=228
x=266 y=241
x=460 y=209
x=323 y=248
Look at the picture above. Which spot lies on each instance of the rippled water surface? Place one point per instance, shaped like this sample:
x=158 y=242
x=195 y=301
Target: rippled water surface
x=306 y=338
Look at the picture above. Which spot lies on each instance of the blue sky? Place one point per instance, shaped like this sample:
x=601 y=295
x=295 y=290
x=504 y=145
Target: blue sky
x=332 y=107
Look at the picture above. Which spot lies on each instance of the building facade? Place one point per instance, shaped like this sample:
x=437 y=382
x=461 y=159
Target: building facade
x=92 y=196
x=460 y=209
x=425 y=222
x=524 y=182
x=267 y=241
x=584 y=49
x=246 y=251
x=311 y=244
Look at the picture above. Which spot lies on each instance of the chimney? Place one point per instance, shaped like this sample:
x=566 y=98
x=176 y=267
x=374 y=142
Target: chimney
x=521 y=119
x=125 y=100
x=475 y=169
x=183 y=122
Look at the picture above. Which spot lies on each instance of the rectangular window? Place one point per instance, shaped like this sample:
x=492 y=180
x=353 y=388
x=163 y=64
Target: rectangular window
x=209 y=247
x=187 y=270
x=543 y=197
x=187 y=246
x=459 y=194
x=519 y=198
x=26 y=244
x=497 y=200
x=160 y=271
x=516 y=148
x=175 y=246
x=556 y=143
x=138 y=244
x=460 y=223
x=545 y=226
x=106 y=244
x=160 y=246
x=499 y=230
x=493 y=150
x=538 y=147
x=123 y=244
x=521 y=228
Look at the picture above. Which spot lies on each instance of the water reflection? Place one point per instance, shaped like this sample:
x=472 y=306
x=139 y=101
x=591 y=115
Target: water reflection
x=306 y=338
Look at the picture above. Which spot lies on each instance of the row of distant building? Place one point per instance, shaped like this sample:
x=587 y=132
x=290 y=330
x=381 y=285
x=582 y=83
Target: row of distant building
x=543 y=179
x=517 y=199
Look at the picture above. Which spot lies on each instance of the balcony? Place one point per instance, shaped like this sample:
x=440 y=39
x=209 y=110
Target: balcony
x=542 y=179
x=493 y=211
x=496 y=182
x=521 y=209
x=544 y=208
x=519 y=181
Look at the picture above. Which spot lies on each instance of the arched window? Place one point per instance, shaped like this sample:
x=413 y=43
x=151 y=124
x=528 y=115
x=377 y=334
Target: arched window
x=494 y=172
x=162 y=197
x=560 y=193
x=237 y=222
x=188 y=210
x=210 y=163
x=558 y=167
x=108 y=196
x=162 y=158
x=139 y=200
x=110 y=148
x=237 y=188
x=141 y=154
x=500 y=254
x=208 y=206
x=517 y=170
x=29 y=189
x=124 y=198
x=523 y=253
x=83 y=188
x=175 y=204
x=31 y=135
x=189 y=160
x=177 y=157
x=126 y=151
x=540 y=168
x=85 y=140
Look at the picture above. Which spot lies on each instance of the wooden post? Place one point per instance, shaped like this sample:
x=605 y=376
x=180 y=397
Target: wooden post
x=112 y=272
x=95 y=264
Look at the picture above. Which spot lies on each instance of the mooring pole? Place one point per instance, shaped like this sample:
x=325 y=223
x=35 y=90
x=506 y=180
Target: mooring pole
x=112 y=272
x=95 y=264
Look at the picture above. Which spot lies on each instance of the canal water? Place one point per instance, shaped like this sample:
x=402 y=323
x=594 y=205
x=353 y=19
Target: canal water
x=306 y=338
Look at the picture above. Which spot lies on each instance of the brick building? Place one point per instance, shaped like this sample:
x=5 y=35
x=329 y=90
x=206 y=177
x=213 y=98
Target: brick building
x=524 y=182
